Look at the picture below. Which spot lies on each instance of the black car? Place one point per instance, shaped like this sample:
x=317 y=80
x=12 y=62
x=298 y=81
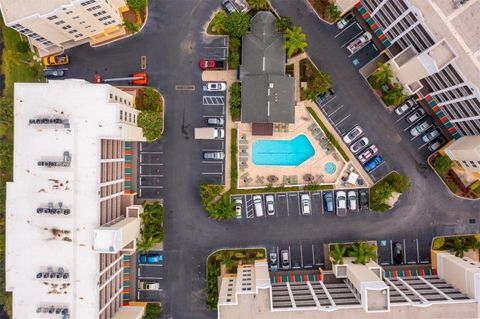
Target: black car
x=363 y=196
x=53 y=73
x=324 y=97
x=397 y=252
x=229 y=7
x=328 y=202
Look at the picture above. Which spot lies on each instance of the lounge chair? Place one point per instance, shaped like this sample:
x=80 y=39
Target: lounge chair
x=243 y=153
x=243 y=147
x=243 y=166
x=243 y=142
x=243 y=159
x=311 y=127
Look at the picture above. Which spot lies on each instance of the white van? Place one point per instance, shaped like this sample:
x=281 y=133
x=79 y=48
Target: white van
x=257 y=205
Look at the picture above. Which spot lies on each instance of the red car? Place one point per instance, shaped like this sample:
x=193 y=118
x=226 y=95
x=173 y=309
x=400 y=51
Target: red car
x=212 y=64
x=367 y=154
x=143 y=79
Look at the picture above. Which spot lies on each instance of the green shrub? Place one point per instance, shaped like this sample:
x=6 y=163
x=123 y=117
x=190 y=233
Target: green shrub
x=208 y=192
x=137 y=5
x=332 y=12
x=22 y=47
x=233 y=159
x=400 y=183
x=394 y=96
x=233 y=53
x=130 y=26
x=474 y=186
x=152 y=311
x=151 y=100
x=236 y=24
x=283 y=23
x=442 y=164
x=319 y=84
x=438 y=243
x=452 y=186
x=152 y=125
x=382 y=191
x=235 y=100
x=151 y=231
x=258 y=5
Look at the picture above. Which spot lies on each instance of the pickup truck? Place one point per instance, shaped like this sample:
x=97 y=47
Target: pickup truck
x=359 y=42
x=209 y=133
x=148 y=285
x=206 y=64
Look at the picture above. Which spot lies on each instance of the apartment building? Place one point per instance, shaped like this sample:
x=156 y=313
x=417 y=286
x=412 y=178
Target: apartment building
x=434 y=51
x=349 y=291
x=466 y=154
x=70 y=223
x=55 y=25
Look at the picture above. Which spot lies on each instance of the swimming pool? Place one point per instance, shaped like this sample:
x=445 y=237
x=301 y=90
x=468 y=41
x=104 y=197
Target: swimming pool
x=282 y=152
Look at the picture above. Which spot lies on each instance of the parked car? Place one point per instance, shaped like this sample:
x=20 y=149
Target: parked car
x=431 y=135
x=397 y=252
x=354 y=133
x=367 y=153
x=373 y=163
x=270 y=203
x=56 y=60
x=238 y=207
x=141 y=79
x=53 y=73
x=273 y=261
x=215 y=156
x=405 y=107
x=150 y=259
x=341 y=203
x=352 y=200
x=229 y=7
x=435 y=145
x=359 y=42
x=415 y=115
x=215 y=121
x=148 y=285
x=324 y=97
x=207 y=64
x=285 y=260
x=328 y=202
x=215 y=87
x=419 y=128
x=345 y=20
x=257 y=205
x=305 y=199
x=363 y=198
x=359 y=145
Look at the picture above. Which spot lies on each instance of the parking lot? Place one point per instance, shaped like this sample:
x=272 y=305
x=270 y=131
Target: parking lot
x=288 y=205
x=150 y=170
x=150 y=273
x=410 y=248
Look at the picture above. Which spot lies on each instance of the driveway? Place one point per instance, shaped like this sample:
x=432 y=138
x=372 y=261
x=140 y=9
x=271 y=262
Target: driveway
x=173 y=42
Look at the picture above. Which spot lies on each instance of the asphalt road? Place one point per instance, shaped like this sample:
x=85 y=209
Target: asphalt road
x=173 y=41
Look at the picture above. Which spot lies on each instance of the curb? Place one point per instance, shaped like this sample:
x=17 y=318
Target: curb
x=316 y=13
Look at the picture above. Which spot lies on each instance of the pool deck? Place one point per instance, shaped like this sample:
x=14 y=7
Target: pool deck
x=254 y=176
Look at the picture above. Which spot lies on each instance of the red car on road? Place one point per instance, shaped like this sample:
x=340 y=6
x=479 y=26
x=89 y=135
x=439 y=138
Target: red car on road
x=206 y=64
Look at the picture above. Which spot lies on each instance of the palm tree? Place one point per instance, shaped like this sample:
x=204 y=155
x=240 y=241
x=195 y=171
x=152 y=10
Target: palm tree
x=332 y=12
x=363 y=252
x=458 y=247
x=394 y=96
x=283 y=23
x=228 y=260
x=381 y=75
x=218 y=22
x=145 y=244
x=258 y=5
x=337 y=254
x=223 y=209
x=295 y=41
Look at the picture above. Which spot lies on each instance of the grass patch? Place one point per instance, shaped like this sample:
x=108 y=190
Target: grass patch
x=229 y=258
x=329 y=135
x=382 y=191
x=233 y=159
x=214 y=26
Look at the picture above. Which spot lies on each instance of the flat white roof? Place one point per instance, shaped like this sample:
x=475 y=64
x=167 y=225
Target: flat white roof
x=14 y=10
x=35 y=241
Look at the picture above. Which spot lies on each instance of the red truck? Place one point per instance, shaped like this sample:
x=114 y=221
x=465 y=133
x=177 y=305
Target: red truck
x=206 y=64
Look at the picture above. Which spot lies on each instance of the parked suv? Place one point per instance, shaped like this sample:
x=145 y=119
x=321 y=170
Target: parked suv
x=328 y=201
x=270 y=202
x=419 y=128
x=415 y=115
x=273 y=262
x=215 y=121
x=305 y=199
x=430 y=136
x=216 y=156
x=341 y=203
x=359 y=42
x=363 y=196
x=257 y=205
x=285 y=260
x=352 y=200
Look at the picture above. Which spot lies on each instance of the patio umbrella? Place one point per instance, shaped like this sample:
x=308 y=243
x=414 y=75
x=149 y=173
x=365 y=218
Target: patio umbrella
x=272 y=179
x=308 y=177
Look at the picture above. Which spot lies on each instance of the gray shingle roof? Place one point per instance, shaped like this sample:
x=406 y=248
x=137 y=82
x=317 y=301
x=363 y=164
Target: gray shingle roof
x=268 y=95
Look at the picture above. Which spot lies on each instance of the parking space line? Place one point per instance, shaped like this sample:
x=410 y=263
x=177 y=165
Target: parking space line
x=353 y=38
x=152 y=164
x=336 y=110
x=391 y=252
x=418 y=254
x=422 y=146
x=290 y=256
x=212 y=173
x=150 y=278
x=346 y=117
x=373 y=170
x=325 y=104
x=150 y=186
x=298 y=202
x=414 y=123
x=141 y=175
x=345 y=29
x=404 y=252
x=313 y=255
x=301 y=255
x=151 y=152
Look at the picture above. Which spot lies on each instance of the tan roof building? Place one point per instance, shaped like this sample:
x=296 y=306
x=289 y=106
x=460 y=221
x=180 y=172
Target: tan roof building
x=71 y=224
x=352 y=291
x=466 y=153
x=55 y=25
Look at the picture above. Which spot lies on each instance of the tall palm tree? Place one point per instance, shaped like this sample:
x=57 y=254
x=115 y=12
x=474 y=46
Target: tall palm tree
x=145 y=244
x=458 y=247
x=337 y=254
x=363 y=252
x=394 y=96
x=223 y=209
x=228 y=260
x=383 y=73
x=295 y=41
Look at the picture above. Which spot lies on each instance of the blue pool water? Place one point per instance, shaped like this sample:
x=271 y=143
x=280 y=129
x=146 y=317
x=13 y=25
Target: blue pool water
x=329 y=168
x=282 y=152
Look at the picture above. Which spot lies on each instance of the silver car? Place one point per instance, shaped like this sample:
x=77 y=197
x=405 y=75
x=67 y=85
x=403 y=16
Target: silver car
x=354 y=133
x=430 y=136
x=419 y=128
x=415 y=115
x=270 y=202
x=359 y=145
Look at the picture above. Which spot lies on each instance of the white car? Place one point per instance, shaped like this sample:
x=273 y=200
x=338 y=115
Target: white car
x=404 y=107
x=257 y=205
x=305 y=199
x=238 y=208
x=367 y=153
x=419 y=128
x=341 y=203
x=359 y=42
x=345 y=20
x=352 y=200
x=270 y=203
x=359 y=145
x=354 y=133
x=216 y=87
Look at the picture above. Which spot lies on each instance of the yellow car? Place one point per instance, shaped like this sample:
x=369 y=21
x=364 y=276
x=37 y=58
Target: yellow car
x=55 y=60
